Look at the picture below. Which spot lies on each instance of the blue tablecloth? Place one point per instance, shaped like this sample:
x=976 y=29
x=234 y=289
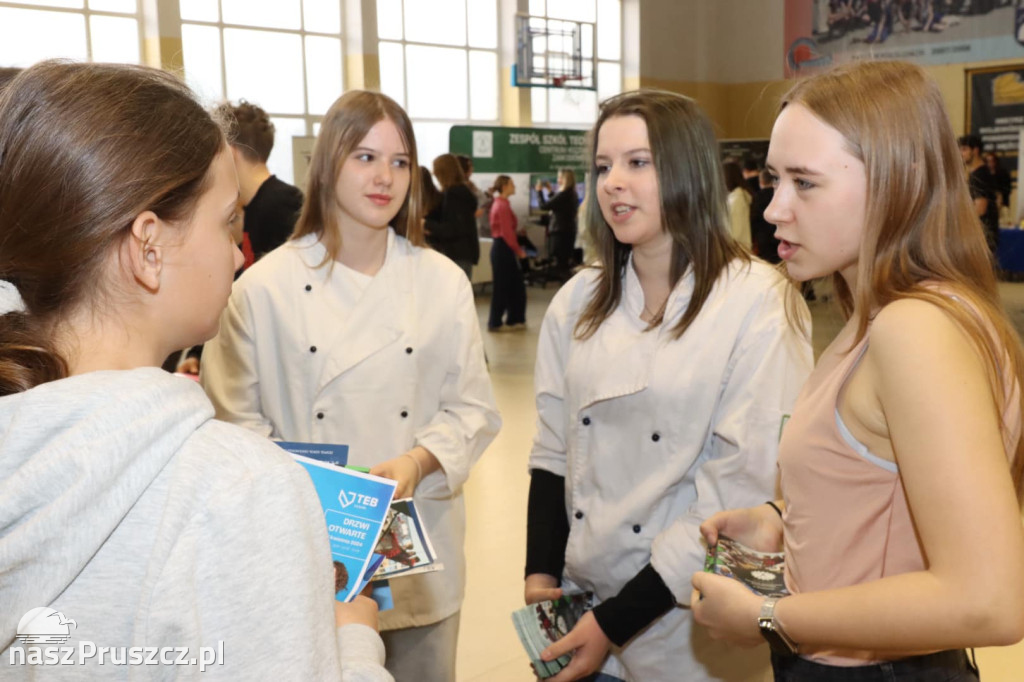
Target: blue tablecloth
x=1011 y=250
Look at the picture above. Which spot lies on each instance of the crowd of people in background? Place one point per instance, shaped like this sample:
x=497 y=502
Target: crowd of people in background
x=677 y=399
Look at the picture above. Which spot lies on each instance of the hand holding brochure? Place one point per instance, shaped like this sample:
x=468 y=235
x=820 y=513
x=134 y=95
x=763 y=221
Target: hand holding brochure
x=762 y=572
x=355 y=506
x=540 y=625
x=373 y=537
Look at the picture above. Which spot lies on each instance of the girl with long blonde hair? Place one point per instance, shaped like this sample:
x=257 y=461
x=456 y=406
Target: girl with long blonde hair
x=901 y=467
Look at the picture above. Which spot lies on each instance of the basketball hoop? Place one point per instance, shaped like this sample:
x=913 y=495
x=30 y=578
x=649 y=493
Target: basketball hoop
x=554 y=53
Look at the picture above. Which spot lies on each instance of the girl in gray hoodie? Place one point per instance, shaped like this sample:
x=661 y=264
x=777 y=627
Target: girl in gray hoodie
x=130 y=521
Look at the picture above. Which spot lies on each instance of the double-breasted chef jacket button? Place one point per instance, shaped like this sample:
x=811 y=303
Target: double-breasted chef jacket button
x=312 y=349
x=655 y=436
x=319 y=415
x=586 y=421
x=309 y=287
x=578 y=515
x=636 y=528
x=405 y=413
x=408 y=350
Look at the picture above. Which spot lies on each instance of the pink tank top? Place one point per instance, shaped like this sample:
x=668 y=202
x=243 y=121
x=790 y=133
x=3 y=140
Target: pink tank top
x=847 y=521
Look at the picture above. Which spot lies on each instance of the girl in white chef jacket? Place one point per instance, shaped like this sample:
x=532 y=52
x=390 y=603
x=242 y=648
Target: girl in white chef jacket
x=662 y=380
x=353 y=333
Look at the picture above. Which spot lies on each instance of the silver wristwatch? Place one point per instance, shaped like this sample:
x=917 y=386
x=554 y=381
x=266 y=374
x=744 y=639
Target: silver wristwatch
x=772 y=631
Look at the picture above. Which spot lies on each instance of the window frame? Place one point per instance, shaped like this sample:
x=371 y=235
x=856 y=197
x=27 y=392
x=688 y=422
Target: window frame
x=87 y=14
x=310 y=120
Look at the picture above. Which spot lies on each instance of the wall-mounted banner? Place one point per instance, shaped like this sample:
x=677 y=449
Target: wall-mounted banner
x=520 y=150
x=819 y=33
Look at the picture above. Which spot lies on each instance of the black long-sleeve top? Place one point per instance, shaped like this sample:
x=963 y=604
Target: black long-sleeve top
x=641 y=601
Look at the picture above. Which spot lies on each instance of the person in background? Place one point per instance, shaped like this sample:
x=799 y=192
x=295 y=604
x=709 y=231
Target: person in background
x=430 y=197
x=123 y=503
x=453 y=233
x=983 y=190
x=738 y=202
x=564 y=207
x=902 y=466
x=677 y=319
x=1001 y=180
x=762 y=233
x=483 y=200
x=271 y=205
x=354 y=333
x=508 y=298
x=751 y=173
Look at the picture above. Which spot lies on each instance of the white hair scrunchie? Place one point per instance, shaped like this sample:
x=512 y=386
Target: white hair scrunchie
x=10 y=299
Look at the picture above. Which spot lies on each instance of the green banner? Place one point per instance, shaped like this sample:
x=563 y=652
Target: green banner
x=520 y=150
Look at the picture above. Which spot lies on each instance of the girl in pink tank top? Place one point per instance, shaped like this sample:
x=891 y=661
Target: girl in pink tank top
x=901 y=467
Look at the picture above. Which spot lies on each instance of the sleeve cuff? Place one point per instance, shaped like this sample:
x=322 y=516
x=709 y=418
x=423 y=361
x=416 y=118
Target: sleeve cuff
x=641 y=601
x=360 y=643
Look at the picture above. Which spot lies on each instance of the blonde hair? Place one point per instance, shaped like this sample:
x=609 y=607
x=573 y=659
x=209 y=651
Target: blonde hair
x=347 y=122
x=920 y=225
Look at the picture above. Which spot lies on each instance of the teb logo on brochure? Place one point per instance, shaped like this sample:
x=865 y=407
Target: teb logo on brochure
x=348 y=499
x=43 y=625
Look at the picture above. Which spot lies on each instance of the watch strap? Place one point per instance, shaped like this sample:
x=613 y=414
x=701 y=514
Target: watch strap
x=773 y=633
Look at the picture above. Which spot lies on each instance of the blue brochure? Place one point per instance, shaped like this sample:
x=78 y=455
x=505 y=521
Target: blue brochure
x=324 y=452
x=355 y=506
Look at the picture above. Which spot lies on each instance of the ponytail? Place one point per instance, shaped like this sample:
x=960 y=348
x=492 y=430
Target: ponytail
x=499 y=185
x=26 y=359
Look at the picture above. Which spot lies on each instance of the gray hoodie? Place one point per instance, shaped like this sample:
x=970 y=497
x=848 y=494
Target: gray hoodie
x=125 y=507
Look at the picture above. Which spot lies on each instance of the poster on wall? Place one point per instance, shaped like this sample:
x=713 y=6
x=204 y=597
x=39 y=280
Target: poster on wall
x=819 y=33
x=995 y=112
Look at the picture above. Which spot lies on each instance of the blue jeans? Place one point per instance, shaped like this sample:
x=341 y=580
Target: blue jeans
x=943 y=666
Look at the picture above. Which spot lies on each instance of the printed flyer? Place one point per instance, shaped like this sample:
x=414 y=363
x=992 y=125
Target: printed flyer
x=355 y=507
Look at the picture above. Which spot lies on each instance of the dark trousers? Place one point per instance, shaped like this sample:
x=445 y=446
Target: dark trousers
x=509 y=295
x=561 y=248
x=943 y=666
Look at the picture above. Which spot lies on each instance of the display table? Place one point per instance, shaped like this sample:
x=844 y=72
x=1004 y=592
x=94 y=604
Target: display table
x=1010 y=253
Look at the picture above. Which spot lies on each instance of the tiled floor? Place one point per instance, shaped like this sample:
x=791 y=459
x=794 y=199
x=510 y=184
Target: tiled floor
x=496 y=500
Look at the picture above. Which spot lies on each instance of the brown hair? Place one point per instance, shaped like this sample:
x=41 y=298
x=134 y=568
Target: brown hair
x=733 y=176
x=448 y=171
x=920 y=225
x=693 y=204
x=7 y=74
x=430 y=196
x=499 y=184
x=84 y=149
x=347 y=122
x=568 y=178
x=250 y=129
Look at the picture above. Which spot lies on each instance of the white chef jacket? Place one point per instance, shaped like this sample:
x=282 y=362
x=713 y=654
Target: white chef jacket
x=404 y=367
x=654 y=435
